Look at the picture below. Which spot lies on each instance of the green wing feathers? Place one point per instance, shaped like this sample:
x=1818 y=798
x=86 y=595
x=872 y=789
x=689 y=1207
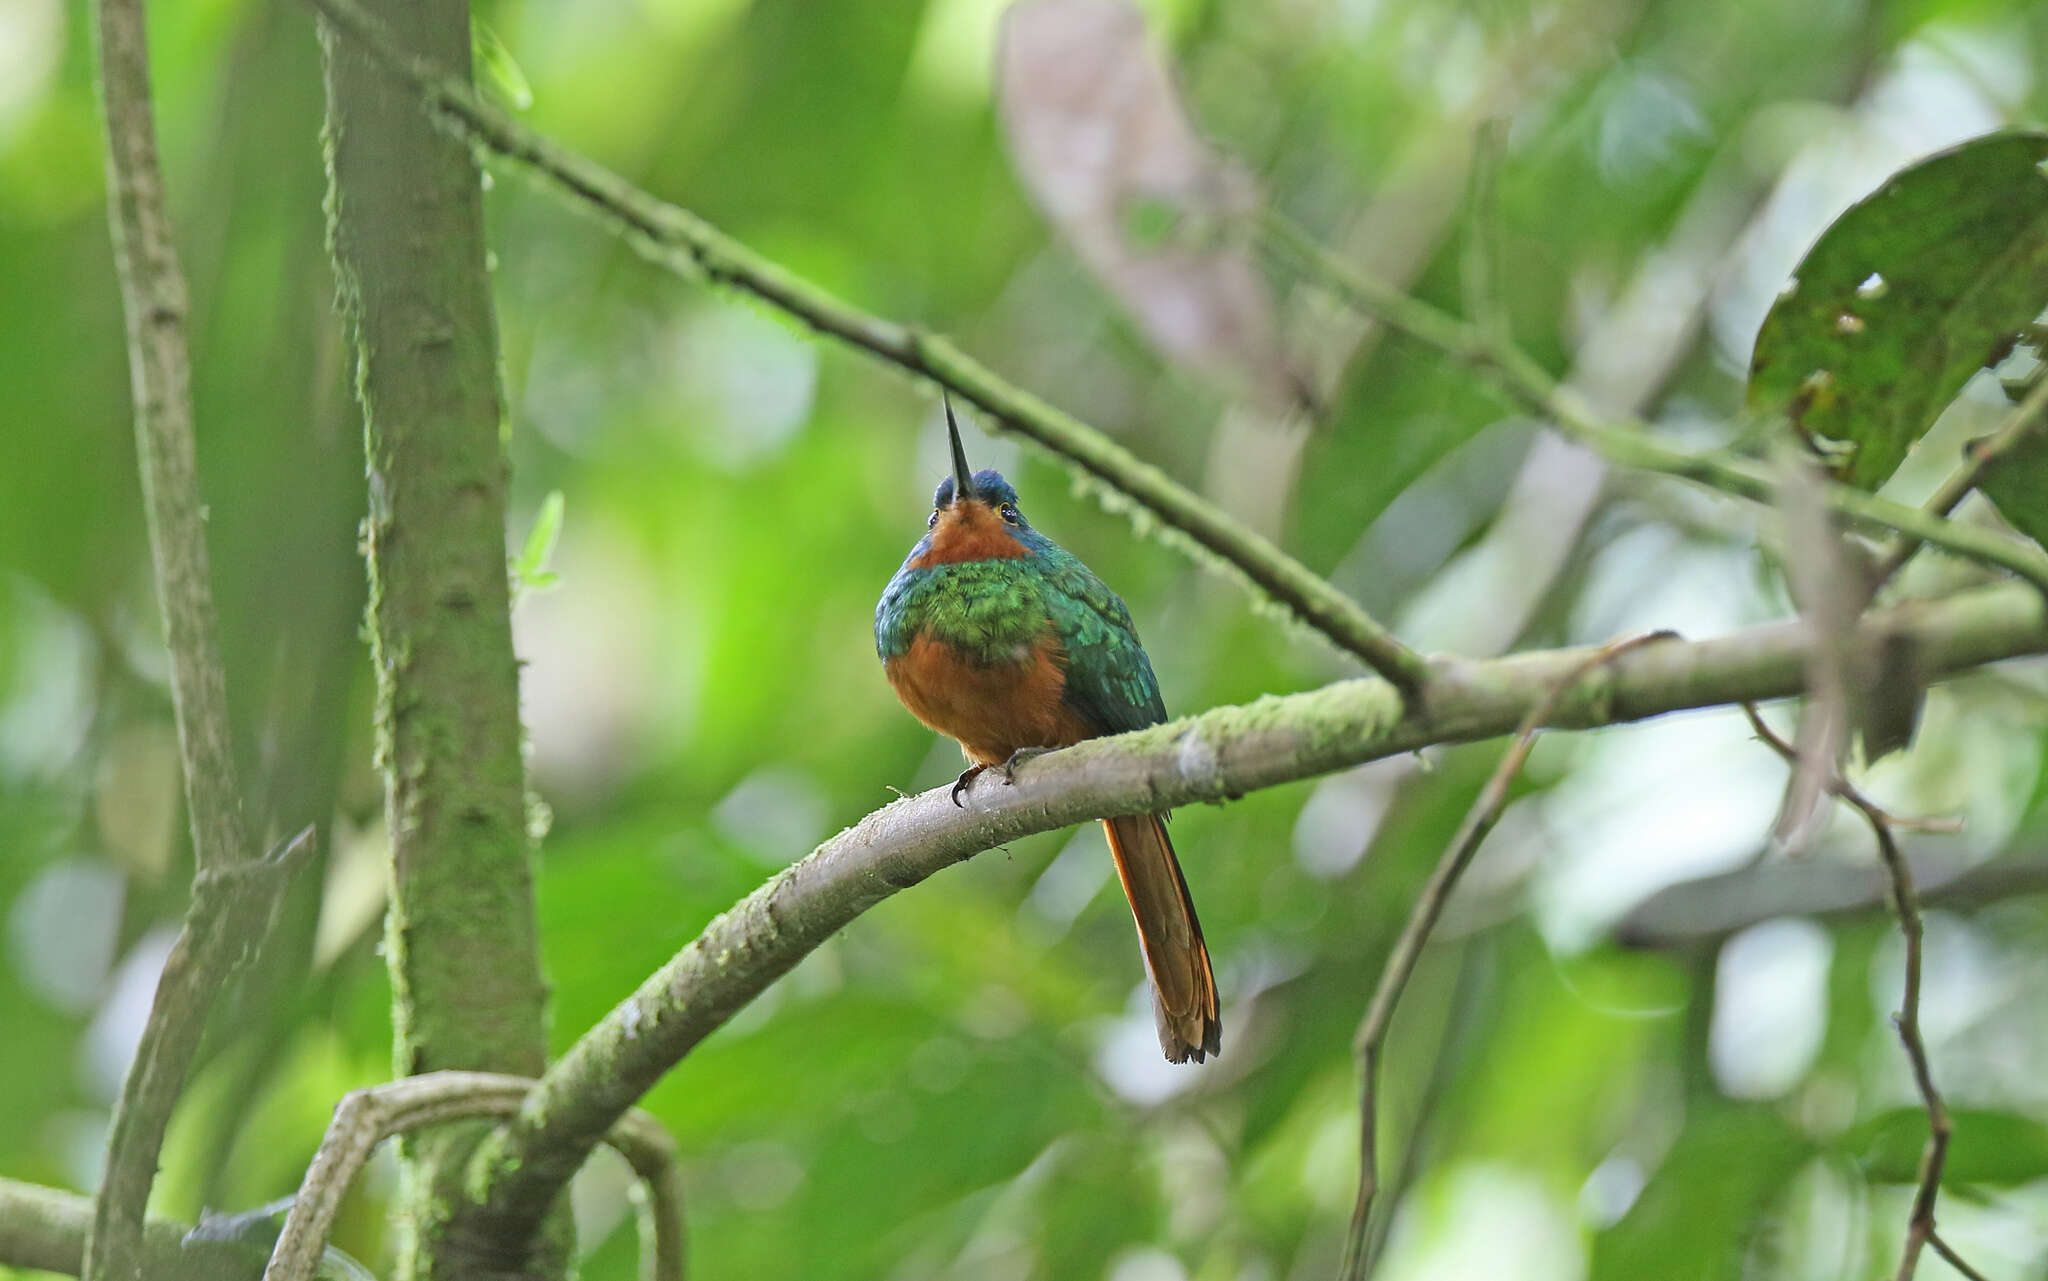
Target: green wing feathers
x=1109 y=678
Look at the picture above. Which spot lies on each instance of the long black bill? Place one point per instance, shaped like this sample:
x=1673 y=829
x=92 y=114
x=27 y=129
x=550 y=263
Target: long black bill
x=963 y=479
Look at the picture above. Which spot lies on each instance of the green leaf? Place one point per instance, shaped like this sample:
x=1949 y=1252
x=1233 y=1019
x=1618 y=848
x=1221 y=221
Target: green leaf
x=1916 y=287
x=1698 y=1213
x=497 y=68
x=2018 y=483
x=2003 y=1149
x=530 y=572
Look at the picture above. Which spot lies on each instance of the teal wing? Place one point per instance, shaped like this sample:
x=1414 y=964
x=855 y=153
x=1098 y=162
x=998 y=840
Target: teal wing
x=1109 y=678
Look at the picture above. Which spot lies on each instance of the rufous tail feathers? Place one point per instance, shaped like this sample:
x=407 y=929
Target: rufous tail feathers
x=1183 y=985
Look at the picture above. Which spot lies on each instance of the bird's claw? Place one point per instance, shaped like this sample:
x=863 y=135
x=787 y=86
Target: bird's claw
x=967 y=776
x=1017 y=758
x=1008 y=769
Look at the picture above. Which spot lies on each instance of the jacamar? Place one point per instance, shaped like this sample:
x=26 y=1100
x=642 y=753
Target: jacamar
x=995 y=635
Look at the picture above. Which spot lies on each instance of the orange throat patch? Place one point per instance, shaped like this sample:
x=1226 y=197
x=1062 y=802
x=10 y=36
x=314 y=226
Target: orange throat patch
x=970 y=531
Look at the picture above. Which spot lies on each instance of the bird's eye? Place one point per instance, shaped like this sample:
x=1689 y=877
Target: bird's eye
x=1008 y=511
x=933 y=523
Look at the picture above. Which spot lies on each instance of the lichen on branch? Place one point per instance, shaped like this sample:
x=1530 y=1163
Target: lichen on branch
x=1216 y=756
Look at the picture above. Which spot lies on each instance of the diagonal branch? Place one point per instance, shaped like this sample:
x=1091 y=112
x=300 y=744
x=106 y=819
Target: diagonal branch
x=2021 y=423
x=231 y=909
x=365 y=1118
x=679 y=241
x=1217 y=756
x=1422 y=919
x=1628 y=442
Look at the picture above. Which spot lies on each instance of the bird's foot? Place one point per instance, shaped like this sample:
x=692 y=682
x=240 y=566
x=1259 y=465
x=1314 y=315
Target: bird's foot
x=1017 y=758
x=967 y=776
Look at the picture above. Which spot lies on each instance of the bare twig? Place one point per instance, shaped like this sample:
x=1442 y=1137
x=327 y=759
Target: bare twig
x=2020 y=424
x=1480 y=263
x=1906 y=903
x=232 y=899
x=1475 y=966
x=1840 y=787
x=1950 y=1257
x=679 y=241
x=154 y=300
x=365 y=1118
x=1627 y=442
x=231 y=909
x=1422 y=919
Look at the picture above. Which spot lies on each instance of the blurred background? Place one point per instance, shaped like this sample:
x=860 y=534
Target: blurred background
x=1639 y=1049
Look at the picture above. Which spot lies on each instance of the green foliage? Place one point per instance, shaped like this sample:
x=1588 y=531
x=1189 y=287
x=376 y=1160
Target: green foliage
x=530 y=572
x=1708 y=1203
x=2018 y=483
x=1920 y=284
x=1987 y=1146
x=965 y=1084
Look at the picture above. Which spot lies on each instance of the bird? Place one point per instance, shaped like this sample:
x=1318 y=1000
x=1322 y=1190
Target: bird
x=994 y=635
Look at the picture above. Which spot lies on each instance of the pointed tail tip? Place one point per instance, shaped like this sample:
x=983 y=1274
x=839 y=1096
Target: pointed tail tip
x=1185 y=1043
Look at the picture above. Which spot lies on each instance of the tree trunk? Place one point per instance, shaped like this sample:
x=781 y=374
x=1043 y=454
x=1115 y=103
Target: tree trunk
x=406 y=222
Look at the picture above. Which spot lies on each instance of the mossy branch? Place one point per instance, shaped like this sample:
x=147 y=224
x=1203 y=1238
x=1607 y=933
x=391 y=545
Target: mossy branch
x=680 y=241
x=45 y=1228
x=1217 y=756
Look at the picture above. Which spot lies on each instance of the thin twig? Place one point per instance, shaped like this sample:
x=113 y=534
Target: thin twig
x=1475 y=968
x=1422 y=919
x=154 y=300
x=2020 y=423
x=1842 y=788
x=1480 y=262
x=1626 y=442
x=1950 y=1257
x=1906 y=903
x=681 y=242
x=160 y=374
x=364 y=1118
x=232 y=909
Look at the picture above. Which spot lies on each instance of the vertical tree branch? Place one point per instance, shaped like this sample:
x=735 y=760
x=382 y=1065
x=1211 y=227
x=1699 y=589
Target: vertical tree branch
x=1920 y=1231
x=406 y=224
x=160 y=373
x=232 y=899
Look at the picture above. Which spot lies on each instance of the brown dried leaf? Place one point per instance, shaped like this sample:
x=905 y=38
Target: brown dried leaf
x=1831 y=593
x=1099 y=138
